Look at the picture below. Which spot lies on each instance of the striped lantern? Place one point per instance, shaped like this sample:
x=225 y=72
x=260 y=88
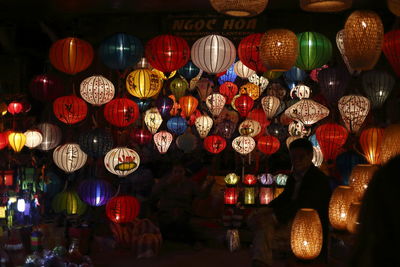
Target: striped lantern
x=371 y=141
x=244 y=104
x=69 y=157
x=177 y=125
x=97 y=90
x=122 y=209
x=249 y=52
x=95 y=192
x=96 y=143
x=143 y=83
x=121 y=161
x=121 y=112
x=307 y=111
x=188 y=105
x=203 y=125
x=33 y=138
x=315 y=50
x=68 y=202
x=377 y=86
x=214 y=144
x=353 y=109
x=163 y=140
x=153 y=120
x=243 y=144
x=17 y=141
x=242 y=70
x=318 y=157
x=268 y=144
x=270 y=105
x=215 y=103
x=331 y=137
x=51 y=136
x=189 y=71
x=70 y=109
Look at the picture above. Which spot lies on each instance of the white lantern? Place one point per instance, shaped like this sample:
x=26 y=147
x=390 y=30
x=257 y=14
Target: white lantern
x=215 y=103
x=242 y=70
x=270 y=105
x=243 y=144
x=297 y=128
x=260 y=81
x=97 y=90
x=318 y=157
x=203 y=125
x=121 y=161
x=250 y=128
x=33 y=138
x=213 y=53
x=69 y=157
x=307 y=111
x=153 y=119
x=163 y=140
x=301 y=91
x=51 y=136
x=353 y=109
x=21 y=205
x=340 y=45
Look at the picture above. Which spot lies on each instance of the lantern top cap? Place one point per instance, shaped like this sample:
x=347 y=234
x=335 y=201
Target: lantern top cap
x=307 y=209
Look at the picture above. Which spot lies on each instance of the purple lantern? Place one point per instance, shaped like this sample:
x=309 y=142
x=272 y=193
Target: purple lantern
x=225 y=128
x=95 y=192
x=46 y=87
x=164 y=105
x=333 y=82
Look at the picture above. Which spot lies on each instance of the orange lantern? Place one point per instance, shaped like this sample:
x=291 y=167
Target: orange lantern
x=390 y=143
x=251 y=89
x=339 y=206
x=360 y=176
x=370 y=141
x=353 y=217
x=188 y=105
x=228 y=90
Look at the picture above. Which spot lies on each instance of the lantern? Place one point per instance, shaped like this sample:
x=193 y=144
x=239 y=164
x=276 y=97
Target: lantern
x=244 y=104
x=21 y=205
x=249 y=179
x=51 y=136
x=68 y=202
x=153 y=120
x=318 y=157
x=186 y=142
x=229 y=76
x=325 y=5
x=69 y=157
x=143 y=83
x=231 y=179
x=33 y=138
x=270 y=105
x=278 y=130
x=95 y=192
x=331 y=137
x=353 y=109
x=163 y=140
x=260 y=81
x=345 y=162
x=306 y=234
x=297 y=128
x=228 y=90
x=6 y=178
x=225 y=128
x=353 y=217
x=204 y=88
x=3 y=139
x=188 y=105
x=214 y=144
x=97 y=90
x=14 y=107
x=340 y=45
x=266 y=195
x=251 y=90
x=390 y=143
x=143 y=63
x=203 y=125
x=121 y=112
x=243 y=144
x=141 y=136
x=121 y=161
x=370 y=141
x=315 y=50
x=300 y=91
x=164 y=105
x=242 y=70
x=363 y=39
x=249 y=196
x=279 y=49
x=272 y=75
x=231 y=195
x=294 y=76
x=95 y=143
x=248 y=51
x=215 y=103
x=360 y=177
x=239 y=8
x=268 y=144
x=339 y=206
x=258 y=115
x=189 y=71
x=46 y=87
x=307 y=111
x=71 y=55
x=391 y=49
x=333 y=81
x=121 y=51
x=249 y=128
x=122 y=209
x=177 y=125
x=70 y=109
x=377 y=86
x=17 y=141
x=178 y=87
x=213 y=53
x=167 y=52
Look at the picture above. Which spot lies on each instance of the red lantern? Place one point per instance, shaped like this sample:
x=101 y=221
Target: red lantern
x=7 y=177
x=167 y=52
x=70 y=109
x=331 y=137
x=121 y=112
x=214 y=144
x=192 y=118
x=188 y=105
x=4 y=139
x=122 y=209
x=71 y=55
x=46 y=87
x=15 y=107
x=249 y=179
x=249 y=54
x=141 y=136
x=268 y=144
x=258 y=114
x=228 y=90
x=231 y=195
x=244 y=104
x=391 y=49
x=266 y=195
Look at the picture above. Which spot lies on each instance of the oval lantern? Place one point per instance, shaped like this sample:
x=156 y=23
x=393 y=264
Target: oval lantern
x=331 y=137
x=177 y=125
x=377 y=86
x=97 y=90
x=345 y=163
x=189 y=71
x=258 y=114
x=342 y=50
x=307 y=111
x=242 y=70
x=33 y=138
x=15 y=107
x=3 y=140
x=391 y=49
x=215 y=103
x=390 y=143
x=270 y=105
x=51 y=136
x=214 y=144
x=243 y=144
x=153 y=120
x=244 y=104
x=141 y=136
x=69 y=157
x=46 y=87
x=122 y=209
x=315 y=50
x=186 y=142
x=70 y=109
x=203 y=125
x=121 y=112
x=249 y=52
x=96 y=143
x=163 y=140
x=121 y=161
x=360 y=177
x=71 y=55
x=68 y=202
x=164 y=105
x=370 y=142
x=178 y=87
x=353 y=109
x=95 y=192
x=332 y=82
x=17 y=141
x=268 y=144
x=249 y=128
x=188 y=105
x=228 y=90
x=318 y=157
x=143 y=83
x=339 y=205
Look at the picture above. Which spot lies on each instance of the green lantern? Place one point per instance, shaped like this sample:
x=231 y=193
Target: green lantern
x=315 y=50
x=178 y=87
x=68 y=202
x=272 y=75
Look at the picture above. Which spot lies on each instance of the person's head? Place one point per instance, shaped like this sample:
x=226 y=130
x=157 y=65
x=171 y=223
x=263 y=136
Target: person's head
x=301 y=154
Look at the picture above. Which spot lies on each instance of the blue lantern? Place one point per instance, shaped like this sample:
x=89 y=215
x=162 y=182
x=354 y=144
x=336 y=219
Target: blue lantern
x=294 y=76
x=96 y=143
x=121 y=51
x=345 y=163
x=189 y=71
x=143 y=104
x=313 y=140
x=95 y=192
x=229 y=76
x=177 y=125
x=164 y=105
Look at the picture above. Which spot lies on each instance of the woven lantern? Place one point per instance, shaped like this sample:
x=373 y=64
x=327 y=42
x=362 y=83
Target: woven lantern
x=391 y=49
x=360 y=177
x=315 y=50
x=390 y=143
x=215 y=103
x=95 y=143
x=178 y=87
x=33 y=138
x=300 y=91
x=69 y=157
x=332 y=82
x=377 y=86
x=228 y=90
x=307 y=111
x=46 y=87
x=188 y=105
x=242 y=70
x=239 y=8
x=121 y=161
x=70 y=109
x=203 y=125
x=68 y=202
x=121 y=112
x=249 y=128
x=122 y=209
x=279 y=49
x=353 y=109
x=371 y=141
x=213 y=53
x=363 y=39
x=318 y=157
x=268 y=144
x=231 y=179
x=214 y=144
x=345 y=162
x=325 y=5
x=353 y=217
x=249 y=52
x=243 y=144
x=189 y=71
x=163 y=140
x=97 y=90
x=306 y=234
x=143 y=83
x=244 y=104
x=152 y=119
x=204 y=88
x=51 y=136
x=270 y=105
x=17 y=141
x=251 y=90
x=177 y=125
x=340 y=46
x=95 y=192
x=339 y=206
x=331 y=137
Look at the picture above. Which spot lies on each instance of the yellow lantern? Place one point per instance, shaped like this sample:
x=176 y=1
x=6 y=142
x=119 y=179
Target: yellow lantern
x=250 y=89
x=33 y=138
x=17 y=141
x=143 y=83
x=163 y=140
x=203 y=125
x=231 y=178
x=162 y=75
x=339 y=206
x=249 y=128
x=3 y=212
x=249 y=196
x=390 y=143
x=360 y=176
x=270 y=105
x=353 y=217
x=215 y=103
x=153 y=119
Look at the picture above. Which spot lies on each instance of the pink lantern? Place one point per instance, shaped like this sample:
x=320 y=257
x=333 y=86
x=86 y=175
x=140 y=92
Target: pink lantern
x=163 y=140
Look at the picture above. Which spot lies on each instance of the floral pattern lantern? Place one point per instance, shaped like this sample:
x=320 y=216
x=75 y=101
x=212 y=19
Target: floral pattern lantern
x=215 y=103
x=243 y=144
x=95 y=192
x=70 y=109
x=143 y=83
x=239 y=8
x=121 y=112
x=390 y=143
x=377 y=86
x=371 y=141
x=188 y=105
x=251 y=90
x=270 y=105
x=203 y=125
x=97 y=90
x=249 y=52
x=391 y=49
x=249 y=128
x=68 y=202
x=325 y=5
x=95 y=143
x=228 y=90
x=315 y=50
x=69 y=157
x=331 y=137
x=163 y=140
x=178 y=87
x=353 y=109
x=153 y=120
x=244 y=104
x=268 y=144
x=177 y=125
x=307 y=111
x=121 y=161
x=46 y=87
x=214 y=144
x=122 y=209
x=33 y=138
x=300 y=91
x=17 y=141
x=333 y=81
x=51 y=136
x=242 y=70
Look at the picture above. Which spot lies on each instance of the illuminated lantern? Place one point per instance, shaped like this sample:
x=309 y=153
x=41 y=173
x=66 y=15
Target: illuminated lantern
x=97 y=90
x=251 y=90
x=243 y=144
x=391 y=49
x=122 y=209
x=143 y=104
x=143 y=63
x=231 y=195
x=163 y=140
x=300 y=91
x=266 y=195
x=228 y=90
x=244 y=104
x=314 y=72
x=153 y=120
x=143 y=83
x=339 y=206
x=177 y=125
x=121 y=161
x=325 y=5
x=231 y=179
x=249 y=179
x=377 y=86
x=188 y=105
x=279 y=49
x=333 y=81
x=260 y=81
x=68 y=202
x=363 y=39
x=51 y=136
x=249 y=52
x=345 y=163
x=213 y=53
x=360 y=177
x=214 y=144
x=353 y=217
x=390 y=143
x=331 y=137
x=46 y=87
x=70 y=109
x=95 y=143
x=307 y=111
x=272 y=75
x=204 y=88
x=353 y=109
x=167 y=52
x=71 y=55
x=164 y=105
x=21 y=205
x=371 y=141
x=318 y=157
x=294 y=76
x=121 y=112
x=69 y=157
x=186 y=142
x=340 y=45
x=229 y=76
x=239 y=8
x=3 y=210
x=141 y=136
x=315 y=50
x=33 y=138
x=3 y=140
x=258 y=114
x=297 y=128
x=268 y=144
x=6 y=178
x=215 y=103
x=249 y=196
x=203 y=125
x=270 y=105
x=178 y=87
x=189 y=71
x=249 y=128
x=242 y=70
x=17 y=141
x=15 y=107
x=121 y=51
x=95 y=192
x=306 y=236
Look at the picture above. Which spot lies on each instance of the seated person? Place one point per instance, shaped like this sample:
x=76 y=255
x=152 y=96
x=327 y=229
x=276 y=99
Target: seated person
x=307 y=187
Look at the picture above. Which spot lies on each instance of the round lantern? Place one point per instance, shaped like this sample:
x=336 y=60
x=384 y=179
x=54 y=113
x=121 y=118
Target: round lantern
x=141 y=136
x=244 y=104
x=243 y=144
x=215 y=103
x=278 y=130
x=177 y=125
x=225 y=128
x=189 y=71
x=294 y=76
x=239 y=8
x=270 y=105
x=122 y=209
x=339 y=206
x=3 y=139
x=97 y=90
x=163 y=140
x=360 y=177
x=167 y=52
x=300 y=91
x=231 y=179
x=33 y=138
x=331 y=137
x=121 y=161
x=268 y=144
x=353 y=109
x=188 y=105
x=315 y=50
x=164 y=105
x=17 y=141
x=272 y=75
x=242 y=70
x=307 y=111
x=342 y=50
x=325 y=5
x=229 y=76
x=178 y=87
x=363 y=39
x=391 y=49
x=251 y=90
x=95 y=143
x=153 y=120
x=249 y=52
x=214 y=144
x=228 y=90
x=318 y=157
x=46 y=87
x=249 y=128
x=71 y=55
x=353 y=217
x=143 y=63
x=143 y=83
x=204 y=88
x=15 y=108
x=377 y=86
x=213 y=53
x=68 y=202
x=332 y=82
x=371 y=141
x=121 y=51
x=143 y=104
x=279 y=49
x=70 y=109
x=121 y=112
x=69 y=157
x=306 y=236
x=95 y=192
x=203 y=125
x=258 y=114
x=390 y=143
x=51 y=136
x=186 y=142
